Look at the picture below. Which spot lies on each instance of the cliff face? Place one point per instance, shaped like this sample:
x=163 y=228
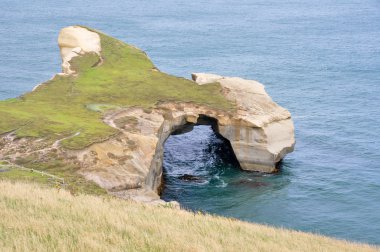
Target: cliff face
x=261 y=132
x=128 y=163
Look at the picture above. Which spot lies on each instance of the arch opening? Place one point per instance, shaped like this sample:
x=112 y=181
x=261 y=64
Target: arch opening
x=196 y=155
x=226 y=151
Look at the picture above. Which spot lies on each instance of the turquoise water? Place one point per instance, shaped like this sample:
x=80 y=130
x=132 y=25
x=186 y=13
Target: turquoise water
x=320 y=59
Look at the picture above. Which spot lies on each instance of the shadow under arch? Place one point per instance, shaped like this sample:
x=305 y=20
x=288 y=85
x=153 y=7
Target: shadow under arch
x=194 y=156
x=204 y=120
x=223 y=185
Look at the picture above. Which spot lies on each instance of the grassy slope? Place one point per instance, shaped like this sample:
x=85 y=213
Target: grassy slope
x=53 y=174
x=39 y=219
x=66 y=105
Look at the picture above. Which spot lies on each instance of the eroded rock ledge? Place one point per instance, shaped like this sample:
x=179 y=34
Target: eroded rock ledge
x=129 y=164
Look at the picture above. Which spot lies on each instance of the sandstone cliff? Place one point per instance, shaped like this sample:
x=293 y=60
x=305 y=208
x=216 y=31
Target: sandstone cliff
x=126 y=158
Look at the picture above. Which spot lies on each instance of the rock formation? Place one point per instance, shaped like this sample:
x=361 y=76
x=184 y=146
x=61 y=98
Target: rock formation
x=74 y=41
x=261 y=134
x=129 y=164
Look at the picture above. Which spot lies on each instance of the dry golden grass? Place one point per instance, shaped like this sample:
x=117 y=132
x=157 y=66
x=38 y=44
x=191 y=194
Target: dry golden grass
x=33 y=218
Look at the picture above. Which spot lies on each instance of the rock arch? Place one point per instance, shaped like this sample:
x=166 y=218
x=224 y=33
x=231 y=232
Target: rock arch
x=129 y=163
x=154 y=180
x=261 y=133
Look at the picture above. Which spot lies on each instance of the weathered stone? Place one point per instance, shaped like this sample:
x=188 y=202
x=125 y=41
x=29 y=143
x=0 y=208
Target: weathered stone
x=74 y=41
x=261 y=132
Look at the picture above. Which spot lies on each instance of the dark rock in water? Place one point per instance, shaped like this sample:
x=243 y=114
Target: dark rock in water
x=249 y=183
x=188 y=177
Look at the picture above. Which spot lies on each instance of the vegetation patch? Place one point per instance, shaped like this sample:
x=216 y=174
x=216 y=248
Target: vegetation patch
x=17 y=174
x=101 y=107
x=126 y=77
x=54 y=172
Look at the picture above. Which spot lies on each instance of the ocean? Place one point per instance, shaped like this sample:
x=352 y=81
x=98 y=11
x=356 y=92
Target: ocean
x=319 y=59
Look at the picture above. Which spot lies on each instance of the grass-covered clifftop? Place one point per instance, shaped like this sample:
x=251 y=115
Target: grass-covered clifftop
x=38 y=219
x=72 y=106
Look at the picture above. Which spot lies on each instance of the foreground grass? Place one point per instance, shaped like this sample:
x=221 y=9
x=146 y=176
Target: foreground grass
x=42 y=219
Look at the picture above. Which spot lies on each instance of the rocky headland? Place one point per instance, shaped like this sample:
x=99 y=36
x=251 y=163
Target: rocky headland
x=107 y=116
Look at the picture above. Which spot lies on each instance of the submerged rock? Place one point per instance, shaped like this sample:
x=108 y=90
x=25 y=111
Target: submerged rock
x=188 y=177
x=248 y=183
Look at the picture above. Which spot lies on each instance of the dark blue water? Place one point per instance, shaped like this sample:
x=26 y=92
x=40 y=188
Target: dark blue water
x=320 y=59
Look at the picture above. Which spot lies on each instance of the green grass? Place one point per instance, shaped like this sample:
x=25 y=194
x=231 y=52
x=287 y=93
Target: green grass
x=15 y=174
x=52 y=173
x=66 y=105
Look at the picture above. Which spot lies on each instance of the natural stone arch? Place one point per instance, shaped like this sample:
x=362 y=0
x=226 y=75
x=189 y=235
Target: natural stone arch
x=261 y=133
x=129 y=162
x=155 y=179
x=193 y=139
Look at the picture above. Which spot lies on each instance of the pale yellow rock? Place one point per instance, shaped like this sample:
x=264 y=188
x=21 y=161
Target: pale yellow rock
x=74 y=41
x=264 y=133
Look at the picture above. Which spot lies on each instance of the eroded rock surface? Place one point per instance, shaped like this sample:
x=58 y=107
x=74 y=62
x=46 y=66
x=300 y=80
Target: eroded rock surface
x=74 y=41
x=262 y=132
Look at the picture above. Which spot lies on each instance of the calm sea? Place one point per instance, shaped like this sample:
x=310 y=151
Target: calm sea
x=318 y=58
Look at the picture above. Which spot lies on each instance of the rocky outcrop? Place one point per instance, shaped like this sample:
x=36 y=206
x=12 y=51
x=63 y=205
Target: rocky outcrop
x=129 y=164
x=74 y=41
x=261 y=133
